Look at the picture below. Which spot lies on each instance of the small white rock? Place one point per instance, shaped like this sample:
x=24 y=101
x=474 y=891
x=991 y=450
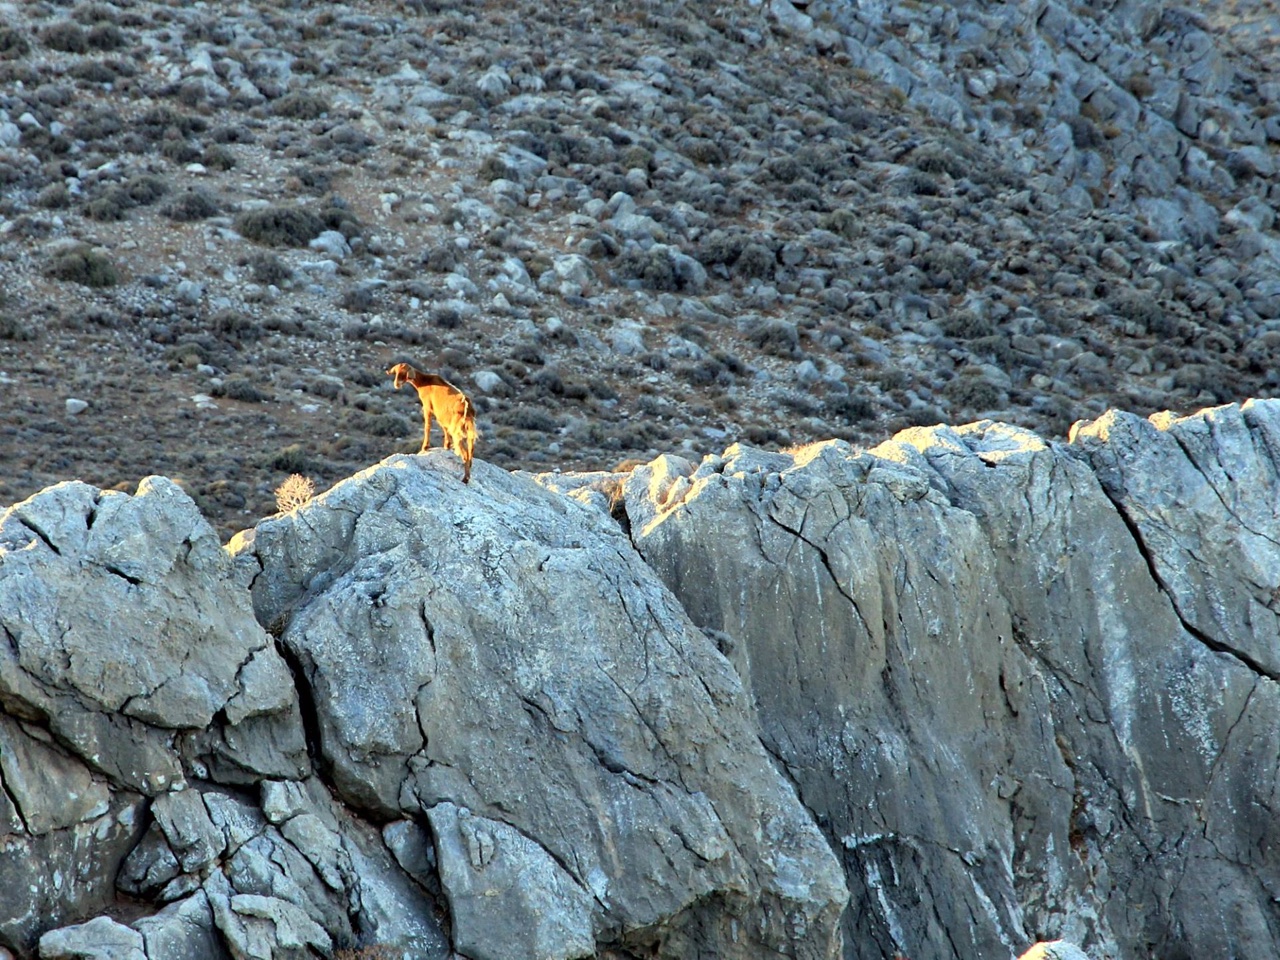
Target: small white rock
x=188 y=291
x=333 y=243
x=487 y=380
x=75 y=406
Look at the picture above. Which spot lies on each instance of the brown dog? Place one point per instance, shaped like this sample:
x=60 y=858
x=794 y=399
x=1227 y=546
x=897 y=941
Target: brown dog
x=457 y=414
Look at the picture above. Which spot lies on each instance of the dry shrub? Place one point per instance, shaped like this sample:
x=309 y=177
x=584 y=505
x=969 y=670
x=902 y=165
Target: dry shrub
x=294 y=492
x=279 y=226
x=85 y=266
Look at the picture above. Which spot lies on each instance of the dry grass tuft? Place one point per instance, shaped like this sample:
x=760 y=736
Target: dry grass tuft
x=294 y=492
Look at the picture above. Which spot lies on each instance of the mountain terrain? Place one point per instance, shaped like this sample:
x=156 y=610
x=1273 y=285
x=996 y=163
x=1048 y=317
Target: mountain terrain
x=968 y=694
x=624 y=228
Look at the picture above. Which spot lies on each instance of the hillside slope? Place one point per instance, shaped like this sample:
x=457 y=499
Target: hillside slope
x=626 y=228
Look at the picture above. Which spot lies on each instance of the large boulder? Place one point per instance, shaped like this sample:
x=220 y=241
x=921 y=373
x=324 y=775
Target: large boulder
x=131 y=662
x=496 y=658
x=958 y=651
x=152 y=745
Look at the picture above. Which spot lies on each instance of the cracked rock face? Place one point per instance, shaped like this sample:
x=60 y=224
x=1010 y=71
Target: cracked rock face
x=497 y=658
x=1020 y=695
x=1024 y=689
x=130 y=660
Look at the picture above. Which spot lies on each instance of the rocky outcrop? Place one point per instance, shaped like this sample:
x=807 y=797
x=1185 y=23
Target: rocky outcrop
x=1023 y=686
x=498 y=660
x=132 y=665
x=945 y=698
x=479 y=722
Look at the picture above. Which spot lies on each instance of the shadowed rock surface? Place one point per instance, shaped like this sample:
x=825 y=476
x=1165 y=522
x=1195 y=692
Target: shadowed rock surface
x=981 y=680
x=946 y=698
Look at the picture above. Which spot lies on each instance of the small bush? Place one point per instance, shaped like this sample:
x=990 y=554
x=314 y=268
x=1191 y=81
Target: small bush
x=93 y=71
x=292 y=459
x=239 y=388
x=703 y=150
x=232 y=133
x=158 y=121
x=846 y=222
x=97 y=125
x=916 y=183
x=1140 y=85
x=234 y=325
x=178 y=150
x=268 y=268
x=279 y=226
x=383 y=425
x=294 y=492
x=784 y=169
x=1143 y=309
x=145 y=190
x=442 y=258
x=975 y=393
x=13 y=44
x=358 y=299
x=65 y=36
x=1084 y=133
x=775 y=336
x=852 y=408
x=300 y=106
x=91 y=13
x=653 y=268
x=700 y=374
x=111 y=207
x=11 y=328
x=192 y=204
x=84 y=266
x=756 y=260
x=531 y=418
x=935 y=158
x=446 y=317
x=218 y=158
x=721 y=246
x=105 y=36
x=967 y=325
x=495 y=167
x=54 y=197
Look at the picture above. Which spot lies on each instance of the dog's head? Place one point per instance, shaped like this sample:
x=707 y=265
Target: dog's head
x=401 y=372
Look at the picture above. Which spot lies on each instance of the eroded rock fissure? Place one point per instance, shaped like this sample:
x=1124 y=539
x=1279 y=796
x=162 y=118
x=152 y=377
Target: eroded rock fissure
x=1194 y=463
x=116 y=571
x=13 y=801
x=307 y=708
x=1217 y=646
x=35 y=529
x=826 y=563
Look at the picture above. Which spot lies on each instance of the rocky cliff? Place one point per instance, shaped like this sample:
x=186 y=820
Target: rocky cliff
x=940 y=699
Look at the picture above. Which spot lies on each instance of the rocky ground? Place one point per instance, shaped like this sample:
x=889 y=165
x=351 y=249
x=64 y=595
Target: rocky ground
x=624 y=228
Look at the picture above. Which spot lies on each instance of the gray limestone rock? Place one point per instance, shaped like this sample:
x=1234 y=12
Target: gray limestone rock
x=958 y=650
x=99 y=939
x=502 y=648
x=1200 y=492
x=191 y=834
x=183 y=929
x=508 y=897
x=1019 y=686
x=124 y=625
